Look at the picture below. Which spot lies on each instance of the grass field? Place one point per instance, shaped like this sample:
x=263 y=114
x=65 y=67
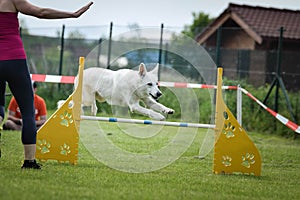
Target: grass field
x=186 y=178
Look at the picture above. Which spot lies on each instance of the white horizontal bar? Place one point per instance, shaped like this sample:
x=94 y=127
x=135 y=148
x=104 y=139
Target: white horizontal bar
x=148 y=122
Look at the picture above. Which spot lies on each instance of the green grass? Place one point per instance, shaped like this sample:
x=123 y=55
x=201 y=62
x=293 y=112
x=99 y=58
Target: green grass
x=186 y=178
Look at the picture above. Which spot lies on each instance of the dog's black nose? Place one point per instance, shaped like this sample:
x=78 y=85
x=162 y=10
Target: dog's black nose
x=158 y=94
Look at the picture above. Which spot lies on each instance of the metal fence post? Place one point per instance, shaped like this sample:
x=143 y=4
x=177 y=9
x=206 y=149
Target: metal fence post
x=62 y=46
x=160 y=48
x=109 y=45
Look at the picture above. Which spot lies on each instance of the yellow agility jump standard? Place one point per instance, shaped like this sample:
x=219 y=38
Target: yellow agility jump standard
x=58 y=138
x=234 y=152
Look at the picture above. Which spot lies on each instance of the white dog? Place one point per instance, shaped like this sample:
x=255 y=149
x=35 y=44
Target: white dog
x=124 y=87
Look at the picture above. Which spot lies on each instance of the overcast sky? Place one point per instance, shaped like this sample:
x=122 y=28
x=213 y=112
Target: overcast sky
x=173 y=13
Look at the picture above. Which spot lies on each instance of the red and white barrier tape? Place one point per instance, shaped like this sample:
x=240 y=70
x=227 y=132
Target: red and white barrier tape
x=279 y=117
x=70 y=80
x=52 y=78
x=193 y=85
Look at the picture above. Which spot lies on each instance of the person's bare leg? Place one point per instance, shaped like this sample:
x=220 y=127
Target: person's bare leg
x=29 y=155
x=29 y=151
x=10 y=125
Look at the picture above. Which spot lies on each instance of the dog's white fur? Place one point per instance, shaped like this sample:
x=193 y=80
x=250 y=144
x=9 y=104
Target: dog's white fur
x=124 y=87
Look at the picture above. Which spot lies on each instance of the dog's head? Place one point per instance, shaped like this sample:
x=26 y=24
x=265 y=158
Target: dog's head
x=149 y=82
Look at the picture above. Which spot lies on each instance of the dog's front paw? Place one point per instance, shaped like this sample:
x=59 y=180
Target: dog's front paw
x=157 y=116
x=168 y=111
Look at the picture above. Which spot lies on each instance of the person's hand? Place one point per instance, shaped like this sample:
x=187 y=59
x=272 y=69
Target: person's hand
x=82 y=10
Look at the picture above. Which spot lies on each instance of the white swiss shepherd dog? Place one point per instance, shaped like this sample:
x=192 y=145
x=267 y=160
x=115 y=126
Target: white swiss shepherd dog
x=124 y=87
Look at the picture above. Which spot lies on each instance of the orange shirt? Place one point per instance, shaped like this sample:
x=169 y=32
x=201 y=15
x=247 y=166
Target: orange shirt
x=39 y=104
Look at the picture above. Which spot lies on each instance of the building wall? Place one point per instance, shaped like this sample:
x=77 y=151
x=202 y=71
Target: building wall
x=262 y=58
x=237 y=39
x=256 y=75
x=231 y=38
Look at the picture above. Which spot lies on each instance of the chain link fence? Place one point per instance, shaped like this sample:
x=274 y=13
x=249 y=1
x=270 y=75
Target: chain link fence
x=55 y=51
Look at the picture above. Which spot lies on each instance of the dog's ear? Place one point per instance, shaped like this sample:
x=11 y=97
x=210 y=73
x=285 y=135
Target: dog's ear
x=142 y=70
x=155 y=69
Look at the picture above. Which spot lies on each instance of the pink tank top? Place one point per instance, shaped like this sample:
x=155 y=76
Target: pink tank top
x=11 y=46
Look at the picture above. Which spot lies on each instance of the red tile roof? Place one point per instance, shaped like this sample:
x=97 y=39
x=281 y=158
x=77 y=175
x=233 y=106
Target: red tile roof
x=266 y=22
x=258 y=22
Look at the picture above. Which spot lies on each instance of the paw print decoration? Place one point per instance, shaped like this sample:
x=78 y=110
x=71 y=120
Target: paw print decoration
x=43 y=146
x=65 y=149
x=66 y=119
x=248 y=160
x=228 y=130
x=226 y=161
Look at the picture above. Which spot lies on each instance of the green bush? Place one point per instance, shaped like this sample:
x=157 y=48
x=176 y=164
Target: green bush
x=254 y=117
x=53 y=93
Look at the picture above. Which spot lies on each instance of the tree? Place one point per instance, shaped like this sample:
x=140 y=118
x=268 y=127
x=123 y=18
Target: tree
x=183 y=41
x=200 y=21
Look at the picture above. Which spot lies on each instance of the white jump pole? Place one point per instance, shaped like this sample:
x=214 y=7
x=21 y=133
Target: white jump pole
x=239 y=104
x=148 y=122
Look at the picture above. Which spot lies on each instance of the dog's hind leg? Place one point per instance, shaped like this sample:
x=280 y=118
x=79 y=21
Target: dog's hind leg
x=88 y=99
x=94 y=109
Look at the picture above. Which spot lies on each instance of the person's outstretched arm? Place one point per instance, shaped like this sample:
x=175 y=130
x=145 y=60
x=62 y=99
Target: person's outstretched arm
x=27 y=8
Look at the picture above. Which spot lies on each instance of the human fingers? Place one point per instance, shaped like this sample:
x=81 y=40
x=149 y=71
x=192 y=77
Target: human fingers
x=82 y=10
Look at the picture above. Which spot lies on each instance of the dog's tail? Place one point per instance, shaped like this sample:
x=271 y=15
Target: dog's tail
x=60 y=103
